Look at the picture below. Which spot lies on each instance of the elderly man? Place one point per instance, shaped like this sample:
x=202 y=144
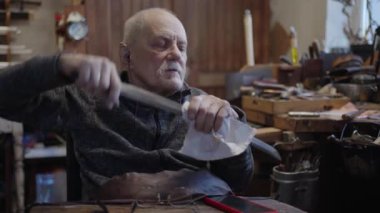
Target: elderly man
x=79 y=94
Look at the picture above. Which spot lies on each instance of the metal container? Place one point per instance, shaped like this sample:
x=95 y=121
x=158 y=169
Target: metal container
x=361 y=160
x=299 y=189
x=358 y=92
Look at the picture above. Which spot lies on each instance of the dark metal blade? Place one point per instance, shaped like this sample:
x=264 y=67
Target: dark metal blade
x=266 y=148
x=151 y=99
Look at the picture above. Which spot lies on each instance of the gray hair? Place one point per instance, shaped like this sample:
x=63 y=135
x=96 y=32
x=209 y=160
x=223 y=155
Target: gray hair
x=134 y=25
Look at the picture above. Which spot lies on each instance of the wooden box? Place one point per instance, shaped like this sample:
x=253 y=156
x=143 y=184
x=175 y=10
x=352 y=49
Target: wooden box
x=307 y=125
x=259 y=117
x=275 y=106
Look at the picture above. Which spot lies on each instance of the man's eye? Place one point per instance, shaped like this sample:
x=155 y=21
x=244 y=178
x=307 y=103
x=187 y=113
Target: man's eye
x=160 y=44
x=182 y=48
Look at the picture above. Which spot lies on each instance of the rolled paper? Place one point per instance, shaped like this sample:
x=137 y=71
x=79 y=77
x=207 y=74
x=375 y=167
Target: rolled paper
x=249 y=49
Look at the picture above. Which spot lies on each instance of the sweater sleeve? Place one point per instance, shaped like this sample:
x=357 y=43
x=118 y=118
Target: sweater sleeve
x=28 y=92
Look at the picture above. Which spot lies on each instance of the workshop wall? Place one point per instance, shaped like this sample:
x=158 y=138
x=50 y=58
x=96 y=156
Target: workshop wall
x=214 y=27
x=315 y=19
x=335 y=22
x=38 y=33
x=308 y=18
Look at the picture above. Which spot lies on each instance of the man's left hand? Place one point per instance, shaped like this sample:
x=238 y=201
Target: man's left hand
x=208 y=112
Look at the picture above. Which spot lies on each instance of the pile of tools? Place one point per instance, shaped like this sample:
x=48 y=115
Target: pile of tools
x=359 y=144
x=298 y=155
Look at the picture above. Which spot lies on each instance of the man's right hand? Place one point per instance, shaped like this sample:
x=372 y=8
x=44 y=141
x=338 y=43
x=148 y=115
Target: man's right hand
x=94 y=74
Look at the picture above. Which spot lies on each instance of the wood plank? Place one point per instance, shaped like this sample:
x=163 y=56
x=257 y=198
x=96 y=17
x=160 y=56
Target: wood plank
x=308 y=125
x=259 y=117
x=99 y=28
x=238 y=53
x=283 y=106
x=220 y=31
x=136 y=6
x=229 y=39
x=88 y=208
x=168 y=4
x=252 y=103
x=202 y=30
x=265 y=31
x=146 y=4
x=116 y=24
x=269 y=135
x=259 y=34
x=194 y=40
x=154 y=3
x=211 y=35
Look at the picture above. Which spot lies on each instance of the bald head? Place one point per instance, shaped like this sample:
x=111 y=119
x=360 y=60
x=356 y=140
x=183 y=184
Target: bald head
x=135 y=25
x=154 y=51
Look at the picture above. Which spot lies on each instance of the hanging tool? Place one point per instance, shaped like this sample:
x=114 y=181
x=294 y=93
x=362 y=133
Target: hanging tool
x=316 y=49
x=311 y=52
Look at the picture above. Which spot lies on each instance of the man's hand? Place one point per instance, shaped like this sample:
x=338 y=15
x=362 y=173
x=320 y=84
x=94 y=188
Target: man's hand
x=95 y=75
x=208 y=112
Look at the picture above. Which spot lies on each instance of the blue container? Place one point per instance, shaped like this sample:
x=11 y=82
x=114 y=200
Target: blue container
x=44 y=188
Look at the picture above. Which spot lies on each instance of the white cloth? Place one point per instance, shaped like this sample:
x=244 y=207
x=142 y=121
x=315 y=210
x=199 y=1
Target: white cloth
x=230 y=140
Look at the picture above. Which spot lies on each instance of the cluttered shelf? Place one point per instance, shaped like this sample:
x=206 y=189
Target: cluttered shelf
x=313 y=117
x=44 y=166
x=10 y=54
x=10 y=168
x=40 y=170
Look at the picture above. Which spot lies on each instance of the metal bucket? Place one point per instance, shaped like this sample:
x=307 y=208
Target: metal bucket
x=299 y=189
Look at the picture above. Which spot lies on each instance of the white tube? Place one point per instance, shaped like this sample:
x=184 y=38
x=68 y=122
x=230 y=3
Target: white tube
x=248 y=30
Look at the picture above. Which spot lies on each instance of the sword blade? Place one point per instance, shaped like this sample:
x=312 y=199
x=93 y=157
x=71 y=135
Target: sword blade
x=151 y=99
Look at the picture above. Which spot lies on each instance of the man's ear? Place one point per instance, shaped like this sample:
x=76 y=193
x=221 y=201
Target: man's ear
x=125 y=55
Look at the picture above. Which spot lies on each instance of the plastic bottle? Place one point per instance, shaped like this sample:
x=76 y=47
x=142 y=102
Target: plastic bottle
x=294 y=45
x=44 y=188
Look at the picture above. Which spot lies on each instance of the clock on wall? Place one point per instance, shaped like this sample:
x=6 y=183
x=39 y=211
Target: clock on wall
x=76 y=26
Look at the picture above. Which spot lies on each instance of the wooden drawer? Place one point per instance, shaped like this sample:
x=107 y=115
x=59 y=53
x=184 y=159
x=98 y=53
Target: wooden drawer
x=275 y=106
x=259 y=117
x=308 y=125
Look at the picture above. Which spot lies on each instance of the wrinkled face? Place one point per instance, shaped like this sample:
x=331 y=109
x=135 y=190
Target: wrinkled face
x=158 y=57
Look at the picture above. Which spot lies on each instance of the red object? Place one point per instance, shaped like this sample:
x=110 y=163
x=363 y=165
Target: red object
x=236 y=204
x=58 y=17
x=220 y=206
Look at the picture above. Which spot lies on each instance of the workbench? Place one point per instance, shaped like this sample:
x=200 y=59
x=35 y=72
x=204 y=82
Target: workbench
x=273 y=113
x=115 y=208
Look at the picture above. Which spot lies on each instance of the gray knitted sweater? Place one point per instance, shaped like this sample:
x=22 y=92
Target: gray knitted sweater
x=128 y=138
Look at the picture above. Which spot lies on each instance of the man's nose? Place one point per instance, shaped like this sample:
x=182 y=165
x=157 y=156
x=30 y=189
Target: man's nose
x=174 y=53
